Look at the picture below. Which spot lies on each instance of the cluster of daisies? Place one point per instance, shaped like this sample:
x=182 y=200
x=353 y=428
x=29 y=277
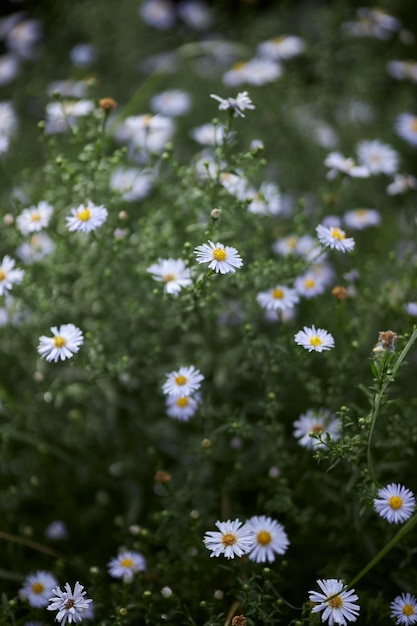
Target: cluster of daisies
x=181 y=389
x=41 y=589
x=261 y=538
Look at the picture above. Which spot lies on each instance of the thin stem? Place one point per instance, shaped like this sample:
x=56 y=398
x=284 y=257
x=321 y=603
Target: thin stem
x=400 y=534
x=31 y=544
x=378 y=400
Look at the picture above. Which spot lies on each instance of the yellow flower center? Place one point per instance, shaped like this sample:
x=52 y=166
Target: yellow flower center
x=168 y=277
x=219 y=254
x=309 y=283
x=336 y=602
x=408 y=610
x=180 y=380
x=59 y=342
x=126 y=562
x=264 y=538
x=360 y=212
x=277 y=294
x=239 y=65
x=84 y=214
x=337 y=233
x=414 y=125
x=395 y=502
x=317 y=429
x=291 y=242
x=147 y=120
x=183 y=402
x=35 y=217
x=229 y=539
x=278 y=39
x=2 y=275
x=38 y=587
x=315 y=341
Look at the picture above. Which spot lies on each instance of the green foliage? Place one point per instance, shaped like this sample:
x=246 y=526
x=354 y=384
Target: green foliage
x=88 y=440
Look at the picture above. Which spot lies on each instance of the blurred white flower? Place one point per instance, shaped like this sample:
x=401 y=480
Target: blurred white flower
x=172 y=102
x=377 y=157
x=126 y=565
x=406 y=127
x=37 y=588
x=158 y=13
x=172 y=272
x=317 y=422
x=9 y=276
x=133 y=184
x=35 y=218
x=281 y=48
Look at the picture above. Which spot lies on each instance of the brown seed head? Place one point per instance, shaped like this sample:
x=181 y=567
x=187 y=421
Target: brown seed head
x=162 y=477
x=107 y=104
x=339 y=292
x=239 y=620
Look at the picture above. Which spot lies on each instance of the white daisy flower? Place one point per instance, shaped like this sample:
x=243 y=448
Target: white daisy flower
x=65 y=342
x=339 y=164
x=362 y=218
x=270 y=539
x=182 y=382
x=147 y=133
x=37 y=248
x=9 y=68
x=266 y=201
x=172 y=102
x=182 y=408
x=223 y=259
x=287 y=245
x=319 y=423
x=310 y=285
x=278 y=298
x=402 y=70
x=395 y=503
x=34 y=218
x=37 y=588
x=235 y=184
x=257 y=71
x=8 y=119
x=335 y=238
x=71 y=605
x=377 y=157
x=173 y=273
x=126 y=564
x=237 y=105
x=411 y=308
x=86 y=218
x=401 y=184
x=133 y=183
x=336 y=602
x=313 y=338
x=209 y=134
x=406 y=127
x=61 y=116
x=158 y=13
x=232 y=539
x=8 y=275
x=281 y=48
x=404 y=609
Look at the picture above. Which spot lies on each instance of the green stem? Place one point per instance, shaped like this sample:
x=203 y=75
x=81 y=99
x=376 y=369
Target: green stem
x=378 y=400
x=400 y=534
